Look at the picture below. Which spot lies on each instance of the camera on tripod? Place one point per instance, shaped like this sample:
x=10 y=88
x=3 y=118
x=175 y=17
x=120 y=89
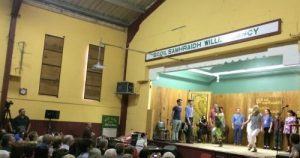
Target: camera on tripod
x=8 y=104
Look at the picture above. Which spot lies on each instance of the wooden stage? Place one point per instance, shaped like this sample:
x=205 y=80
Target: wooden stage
x=207 y=150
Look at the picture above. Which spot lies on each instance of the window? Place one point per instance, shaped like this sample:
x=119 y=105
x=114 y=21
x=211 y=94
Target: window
x=93 y=80
x=51 y=65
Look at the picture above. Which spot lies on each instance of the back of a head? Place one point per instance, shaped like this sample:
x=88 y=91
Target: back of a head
x=47 y=139
x=6 y=139
x=168 y=155
x=4 y=154
x=41 y=151
x=68 y=139
x=94 y=153
x=33 y=136
x=295 y=139
x=84 y=145
x=119 y=148
x=129 y=149
x=69 y=156
x=110 y=153
x=57 y=141
x=103 y=143
x=127 y=156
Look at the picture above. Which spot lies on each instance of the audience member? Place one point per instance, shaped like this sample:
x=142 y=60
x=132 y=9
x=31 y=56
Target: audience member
x=33 y=136
x=295 y=140
x=68 y=140
x=94 y=153
x=127 y=156
x=4 y=154
x=84 y=146
x=168 y=155
x=69 y=156
x=119 y=149
x=7 y=141
x=21 y=123
x=102 y=144
x=110 y=153
x=87 y=132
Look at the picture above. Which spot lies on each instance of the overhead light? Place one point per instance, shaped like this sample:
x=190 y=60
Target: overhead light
x=258 y=69
x=202 y=72
x=98 y=66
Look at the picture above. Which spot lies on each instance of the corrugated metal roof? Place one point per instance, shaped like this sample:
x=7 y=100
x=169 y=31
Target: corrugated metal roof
x=117 y=12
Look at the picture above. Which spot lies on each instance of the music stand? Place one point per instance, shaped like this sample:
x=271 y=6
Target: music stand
x=51 y=114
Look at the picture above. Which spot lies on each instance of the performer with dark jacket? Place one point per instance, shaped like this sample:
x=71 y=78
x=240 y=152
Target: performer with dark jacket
x=189 y=120
x=21 y=123
x=203 y=129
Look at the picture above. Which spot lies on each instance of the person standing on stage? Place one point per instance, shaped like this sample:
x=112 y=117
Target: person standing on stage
x=256 y=126
x=248 y=129
x=237 y=122
x=267 y=128
x=189 y=112
x=203 y=129
x=219 y=126
x=211 y=121
x=289 y=120
x=278 y=126
x=176 y=117
x=21 y=123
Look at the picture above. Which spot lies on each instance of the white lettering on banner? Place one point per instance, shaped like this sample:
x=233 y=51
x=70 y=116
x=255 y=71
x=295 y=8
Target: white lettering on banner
x=268 y=28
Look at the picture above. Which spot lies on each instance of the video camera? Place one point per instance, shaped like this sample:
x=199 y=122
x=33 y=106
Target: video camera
x=8 y=104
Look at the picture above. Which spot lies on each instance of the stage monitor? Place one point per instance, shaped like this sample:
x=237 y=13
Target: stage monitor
x=52 y=114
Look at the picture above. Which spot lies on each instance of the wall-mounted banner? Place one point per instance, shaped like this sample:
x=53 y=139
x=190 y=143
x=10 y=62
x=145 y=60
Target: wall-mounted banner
x=272 y=103
x=245 y=34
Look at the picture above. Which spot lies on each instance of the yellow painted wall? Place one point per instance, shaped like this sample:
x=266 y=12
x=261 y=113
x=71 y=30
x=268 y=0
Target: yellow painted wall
x=201 y=19
x=32 y=26
x=5 y=6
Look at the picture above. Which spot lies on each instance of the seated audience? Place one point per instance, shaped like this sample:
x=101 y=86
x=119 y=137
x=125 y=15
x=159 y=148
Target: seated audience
x=68 y=140
x=127 y=156
x=168 y=155
x=4 y=154
x=94 y=153
x=102 y=144
x=84 y=147
x=295 y=140
x=110 y=153
x=7 y=141
x=120 y=149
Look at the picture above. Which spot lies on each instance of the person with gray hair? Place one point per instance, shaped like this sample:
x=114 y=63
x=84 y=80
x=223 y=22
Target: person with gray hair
x=110 y=153
x=102 y=144
x=94 y=153
x=68 y=140
x=69 y=156
x=4 y=154
x=168 y=155
x=127 y=156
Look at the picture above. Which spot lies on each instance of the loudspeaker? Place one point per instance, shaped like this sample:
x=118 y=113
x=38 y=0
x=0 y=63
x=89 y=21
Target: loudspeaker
x=125 y=88
x=52 y=114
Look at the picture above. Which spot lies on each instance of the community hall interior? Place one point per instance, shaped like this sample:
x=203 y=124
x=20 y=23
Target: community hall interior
x=119 y=67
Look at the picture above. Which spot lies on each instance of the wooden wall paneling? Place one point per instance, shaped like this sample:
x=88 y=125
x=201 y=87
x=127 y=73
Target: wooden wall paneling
x=162 y=102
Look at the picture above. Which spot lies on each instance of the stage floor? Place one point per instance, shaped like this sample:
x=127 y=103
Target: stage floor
x=237 y=150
